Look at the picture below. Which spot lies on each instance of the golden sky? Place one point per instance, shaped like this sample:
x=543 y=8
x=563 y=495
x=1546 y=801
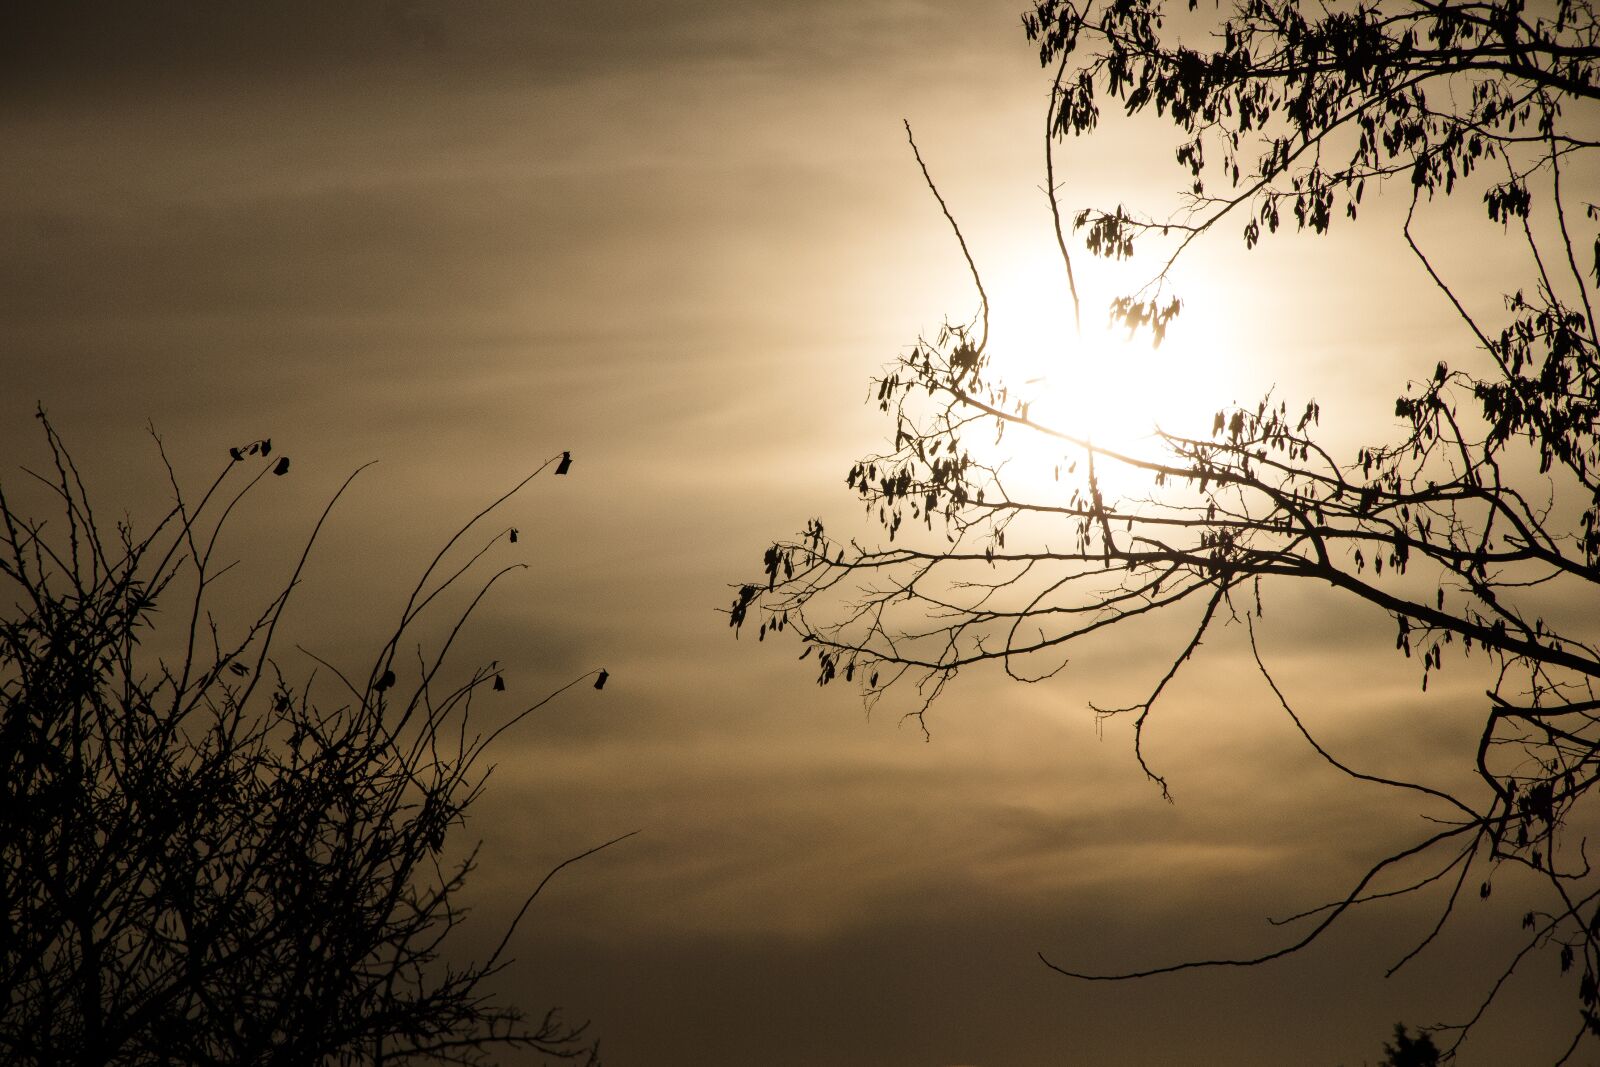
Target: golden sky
x=677 y=239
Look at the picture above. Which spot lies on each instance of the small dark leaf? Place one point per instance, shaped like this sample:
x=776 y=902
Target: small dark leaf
x=499 y=684
x=600 y=679
x=235 y=454
x=385 y=682
x=239 y=668
x=266 y=446
x=565 y=464
x=1483 y=891
x=282 y=466
x=513 y=535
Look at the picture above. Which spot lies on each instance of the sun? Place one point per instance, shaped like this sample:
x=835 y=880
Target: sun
x=1094 y=382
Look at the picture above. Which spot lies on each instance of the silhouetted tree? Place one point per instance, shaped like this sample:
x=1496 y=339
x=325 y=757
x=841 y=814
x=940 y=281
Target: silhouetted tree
x=1408 y=1051
x=202 y=863
x=1474 y=529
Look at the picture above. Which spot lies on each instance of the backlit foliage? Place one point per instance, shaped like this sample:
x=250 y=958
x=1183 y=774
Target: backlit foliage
x=1475 y=528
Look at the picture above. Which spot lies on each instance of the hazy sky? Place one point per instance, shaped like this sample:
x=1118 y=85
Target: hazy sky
x=676 y=239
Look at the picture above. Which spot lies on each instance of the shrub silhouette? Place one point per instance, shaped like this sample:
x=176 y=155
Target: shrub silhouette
x=1408 y=1051
x=200 y=862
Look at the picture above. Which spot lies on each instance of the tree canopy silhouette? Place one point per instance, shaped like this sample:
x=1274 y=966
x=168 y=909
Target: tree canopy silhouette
x=1475 y=528
x=1408 y=1051
x=201 y=861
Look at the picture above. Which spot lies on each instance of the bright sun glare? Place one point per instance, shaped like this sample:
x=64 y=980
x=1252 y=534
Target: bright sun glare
x=1096 y=384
